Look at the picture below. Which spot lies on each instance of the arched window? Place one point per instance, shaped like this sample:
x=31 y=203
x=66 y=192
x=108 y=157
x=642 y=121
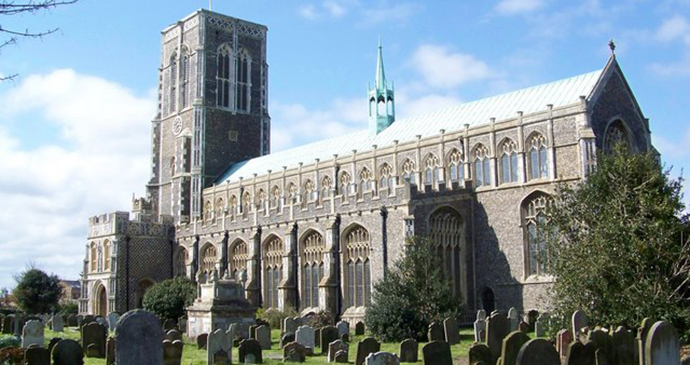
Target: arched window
x=448 y=234
x=535 y=215
x=509 y=168
x=181 y=261
x=365 y=180
x=173 y=84
x=93 y=255
x=616 y=134
x=184 y=77
x=273 y=270
x=209 y=256
x=432 y=172
x=357 y=267
x=106 y=255
x=275 y=197
x=455 y=165
x=233 y=205
x=223 y=77
x=261 y=195
x=208 y=210
x=246 y=202
x=309 y=192
x=243 y=71
x=220 y=208
x=387 y=177
x=326 y=186
x=538 y=162
x=312 y=268
x=172 y=166
x=408 y=171
x=238 y=259
x=482 y=170
x=345 y=183
x=292 y=191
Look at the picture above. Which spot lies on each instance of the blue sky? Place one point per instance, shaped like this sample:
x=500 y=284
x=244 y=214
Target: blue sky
x=75 y=124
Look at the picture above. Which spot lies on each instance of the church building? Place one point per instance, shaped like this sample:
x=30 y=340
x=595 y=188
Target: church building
x=315 y=226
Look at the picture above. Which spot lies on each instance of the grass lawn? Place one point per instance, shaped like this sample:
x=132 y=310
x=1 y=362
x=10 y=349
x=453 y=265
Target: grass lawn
x=193 y=356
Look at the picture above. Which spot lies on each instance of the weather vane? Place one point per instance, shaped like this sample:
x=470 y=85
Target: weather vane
x=612 y=46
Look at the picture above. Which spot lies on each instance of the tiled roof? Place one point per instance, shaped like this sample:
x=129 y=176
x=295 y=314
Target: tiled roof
x=475 y=113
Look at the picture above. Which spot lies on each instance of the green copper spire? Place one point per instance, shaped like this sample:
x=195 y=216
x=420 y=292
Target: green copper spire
x=381 y=99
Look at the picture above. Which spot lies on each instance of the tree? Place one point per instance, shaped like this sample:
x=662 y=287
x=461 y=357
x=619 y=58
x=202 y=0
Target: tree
x=9 y=7
x=414 y=293
x=618 y=246
x=170 y=298
x=37 y=292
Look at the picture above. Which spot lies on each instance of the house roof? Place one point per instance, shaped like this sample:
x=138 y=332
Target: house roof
x=475 y=113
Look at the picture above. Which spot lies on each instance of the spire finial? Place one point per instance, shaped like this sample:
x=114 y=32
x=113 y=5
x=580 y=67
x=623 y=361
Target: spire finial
x=380 y=73
x=210 y=5
x=612 y=46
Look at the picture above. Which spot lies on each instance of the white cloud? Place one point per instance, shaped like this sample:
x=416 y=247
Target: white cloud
x=511 y=7
x=676 y=27
x=441 y=67
x=49 y=192
x=327 y=9
x=366 y=12
x=397 y=13
x=308 y=12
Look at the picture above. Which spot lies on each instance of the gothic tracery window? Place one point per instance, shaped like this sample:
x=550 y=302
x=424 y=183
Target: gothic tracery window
x=209 y=256
x=312 y=268
x=223 y=77
x=432 y=170
x=408 y=170
x=455 y=166
x=482 y=169
x=273 y=271
x=357 y=267
x=220 y=208
x=387 y=177
x=365 y=180
x=509 y=168
x=243 y=70
x=261 y=195
x=447 y=233
x=309 y=191
x=535 y=217
x=238 y=259
x=106 y=255
x=181 y=261
x=616 y=134
x=184 y=78
x=275 y=197
x=173 y=84
x=246 y=202
x=538 y=161
x=345 y=183
x=233 y=205
x=326 y=186
x=208 y=210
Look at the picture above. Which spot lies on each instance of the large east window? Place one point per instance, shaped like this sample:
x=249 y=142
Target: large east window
x=535 y=218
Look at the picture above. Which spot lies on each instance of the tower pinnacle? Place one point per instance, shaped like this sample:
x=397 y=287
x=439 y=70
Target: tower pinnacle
x=381 y=98
x=380 y=73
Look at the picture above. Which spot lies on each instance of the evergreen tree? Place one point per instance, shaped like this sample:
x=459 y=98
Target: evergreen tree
x=37 y=292
x=170 y=298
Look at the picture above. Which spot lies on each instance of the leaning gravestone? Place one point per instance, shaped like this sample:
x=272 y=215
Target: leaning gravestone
x=538 y=352
x=201 y=341
x=623 y=346
x=286 y=339
x=250 y=349
x=342 y=357
x=365 y=347
x=641 y=339
x=409 y=349
x=451 y=331
x=113 y=317
x=435 y=332
x=57 y=324
x=579 y=354
x=289 y=325
x=328 y=335
x=662 y=345
x=359 y=329
x=37 y=356
x=67 y=352
x=32 y=334
x=334 y=347
x=480 y=330
x=382 y=358
x=513 y=319
x=497 y=329
x=53 y=341
x=602 y=341
x=579 y=322
x=294 y=352
x=480 y=353
x=172 y=352
x=511 y=347
x=263 y=335
x=139 y=339
x=305 y=337
x=219 y=348
x=343 y=328
x=563 y=340
x=437 y=353
x=93 y=339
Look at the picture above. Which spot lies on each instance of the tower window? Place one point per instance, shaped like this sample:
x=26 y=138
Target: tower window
x=242 y=70
x=223 y=77
x=173 y=84
x=184 y=78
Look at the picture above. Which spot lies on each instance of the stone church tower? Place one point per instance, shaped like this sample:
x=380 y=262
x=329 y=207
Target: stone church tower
x=212 y=109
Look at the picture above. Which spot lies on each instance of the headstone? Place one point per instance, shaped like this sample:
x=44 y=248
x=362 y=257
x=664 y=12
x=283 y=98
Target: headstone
x=359 y=329
x=19 y=323
x=579 y=321
x=602 y=341
x=437 y=353
x=479 y=353
x=173 y=335
x=294 y=352
x=541 y=325
x=511 y=346
x=579 y=354
x=343 y=328
x=201 y=341
x=409 y=350
x=513 y=319
x=451 y=331
x=139 y=339
x=80 y=319
x=100 y=320
x=289 y=325
x=623 y=346
x=32 y=333
x=56 y=324
x=67 y=352
x=263 y=335
x=8 y=324
x=345 y=337
x=641 y=339
x=436 y=332
x=523 y=327
x=538 y=352
x=563 y=340
x=328 y=335
x=365 y=347
x=172 y=352
x=252 y=331
x=479 y=330
x=662 y=345
x=51 y=344
x=219 y=348
x=182 y=324
x=334 y=347
x=87 y=319
x=94 y=334
x=382 y=358
x=317 y=338
x=497 y=329
x=341 y=357
x=110 y=351
x=113 y=317
x=37 y=356
x=286 y=339
x=305 y=337
x=72 y=320
x=298 y=322
x=250 y=349
x=169 y=324
x=530 y=318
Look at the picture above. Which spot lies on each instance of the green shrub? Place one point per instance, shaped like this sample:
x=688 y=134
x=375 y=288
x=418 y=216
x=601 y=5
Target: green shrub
x=275 y=316
x=37 y=292
x=169 y=298
x=9 y=341
x=69 y=308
